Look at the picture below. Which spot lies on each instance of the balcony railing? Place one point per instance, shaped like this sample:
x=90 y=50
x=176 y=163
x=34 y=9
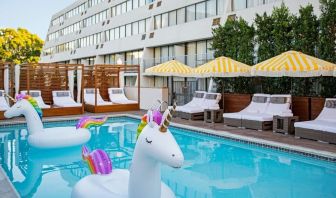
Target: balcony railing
x=190 y=60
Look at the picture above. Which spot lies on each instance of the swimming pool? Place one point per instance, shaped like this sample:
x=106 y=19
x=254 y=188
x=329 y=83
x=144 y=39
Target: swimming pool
x=214 y=167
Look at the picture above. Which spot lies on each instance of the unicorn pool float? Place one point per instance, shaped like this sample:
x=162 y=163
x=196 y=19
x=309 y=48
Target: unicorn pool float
x=155 y=145
x=45 y=138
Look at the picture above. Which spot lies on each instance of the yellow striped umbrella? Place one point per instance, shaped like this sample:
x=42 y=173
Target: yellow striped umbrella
x=170 y=68
x=222 y=67
x=293 y=64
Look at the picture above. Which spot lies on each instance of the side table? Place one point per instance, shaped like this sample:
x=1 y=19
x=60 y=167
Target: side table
x=284 y=124
x=213 y=115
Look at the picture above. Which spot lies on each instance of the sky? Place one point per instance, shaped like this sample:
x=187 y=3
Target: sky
x=34 y=15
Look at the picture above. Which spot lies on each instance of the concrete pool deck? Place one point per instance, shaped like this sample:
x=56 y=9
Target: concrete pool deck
x=261 y=137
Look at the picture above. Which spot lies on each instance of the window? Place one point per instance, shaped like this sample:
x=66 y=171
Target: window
x=191 y=51
x=191 y=13
x=148 y=24
x=172 y=18
x=142 y=26
x=122 y=31
x=123 y=8
x=118 y=10
x=116 y=33
x=220 y=6
x=181 y=16
x=129 y=5
x=142 y=3
x=157 y=22
x=113 y=11
x=135 y=28
x=164 y=54
x=200 y=11
x=157 y=55
x=112 y=34
x=107 y=35
x=128 y=30
x=164 y=20
x=239 y=4
x=135 y=4
x=211 y=8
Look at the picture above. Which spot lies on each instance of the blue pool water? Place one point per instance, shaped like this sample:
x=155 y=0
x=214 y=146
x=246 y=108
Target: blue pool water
x=213 y=167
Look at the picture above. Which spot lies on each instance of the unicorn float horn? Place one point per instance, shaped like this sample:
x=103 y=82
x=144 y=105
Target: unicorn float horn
x=168 y=116
x=10 y=97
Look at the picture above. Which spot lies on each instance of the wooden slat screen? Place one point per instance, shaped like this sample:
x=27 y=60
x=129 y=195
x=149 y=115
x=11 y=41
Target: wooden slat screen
x=47 y=77
x=103 y=77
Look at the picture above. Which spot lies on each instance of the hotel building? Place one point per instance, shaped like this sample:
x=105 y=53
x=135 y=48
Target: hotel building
x=146 y=32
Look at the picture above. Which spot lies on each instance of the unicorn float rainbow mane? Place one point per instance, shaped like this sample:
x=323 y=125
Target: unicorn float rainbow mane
x=32 y=101
x=88 y=122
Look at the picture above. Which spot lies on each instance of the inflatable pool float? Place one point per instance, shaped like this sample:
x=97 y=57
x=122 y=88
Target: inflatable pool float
x=155 y=145
x=45 y=138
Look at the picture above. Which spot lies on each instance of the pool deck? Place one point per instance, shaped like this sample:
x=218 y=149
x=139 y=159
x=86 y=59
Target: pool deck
x=262 y=137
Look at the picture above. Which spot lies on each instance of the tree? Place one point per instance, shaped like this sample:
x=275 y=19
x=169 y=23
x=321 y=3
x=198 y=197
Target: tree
x=327 y=40
x=235 y=39
x=305 y=31
x=282 y=29
x=264 y=37
x=19 y=46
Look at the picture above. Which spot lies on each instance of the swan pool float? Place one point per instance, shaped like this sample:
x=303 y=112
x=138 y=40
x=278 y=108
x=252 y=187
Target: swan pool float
x=155 y=145
x=45 y=138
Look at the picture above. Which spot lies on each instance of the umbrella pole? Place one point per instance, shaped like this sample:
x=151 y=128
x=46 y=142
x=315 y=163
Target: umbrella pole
x=172 y=90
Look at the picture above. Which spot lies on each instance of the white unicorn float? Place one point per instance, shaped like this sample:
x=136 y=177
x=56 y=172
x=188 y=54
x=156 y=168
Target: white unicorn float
x=155 y=145
x=45 y=138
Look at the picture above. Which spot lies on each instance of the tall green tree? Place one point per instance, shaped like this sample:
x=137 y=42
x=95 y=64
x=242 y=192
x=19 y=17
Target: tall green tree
x=19 y=46
x=235 y=39
x=327 y=40
x=305 y=31
x=282 y=29
x=264 y=37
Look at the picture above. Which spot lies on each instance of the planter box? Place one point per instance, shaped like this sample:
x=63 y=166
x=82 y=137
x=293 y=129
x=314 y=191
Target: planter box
x=317 y=105
x=301 y=107
x=235 y=102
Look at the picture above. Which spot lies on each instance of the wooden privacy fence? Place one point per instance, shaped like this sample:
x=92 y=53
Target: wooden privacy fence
x=48 y=77
x=103 y=77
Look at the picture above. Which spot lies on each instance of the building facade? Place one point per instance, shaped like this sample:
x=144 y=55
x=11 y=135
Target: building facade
x=146 y=32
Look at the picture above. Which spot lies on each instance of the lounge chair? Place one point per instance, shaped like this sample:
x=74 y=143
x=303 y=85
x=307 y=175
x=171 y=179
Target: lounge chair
x=89 y=97
x=195 y=102
x=323 y=128
x=279 y=105
x=258 y=104
x=36 y=94
x=210 y=101
x=3 y=103
x=64 y=99
x=117 y=95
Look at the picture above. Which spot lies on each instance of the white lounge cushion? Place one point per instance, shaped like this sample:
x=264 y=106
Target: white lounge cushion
x=64 y=99
x=36 y=94
x=196 y=101
x=3 y=103
x=192 y=109
x=328 y=113
x=258 y=105
x=89 y=97
x=319 y=125
x=117 y=95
